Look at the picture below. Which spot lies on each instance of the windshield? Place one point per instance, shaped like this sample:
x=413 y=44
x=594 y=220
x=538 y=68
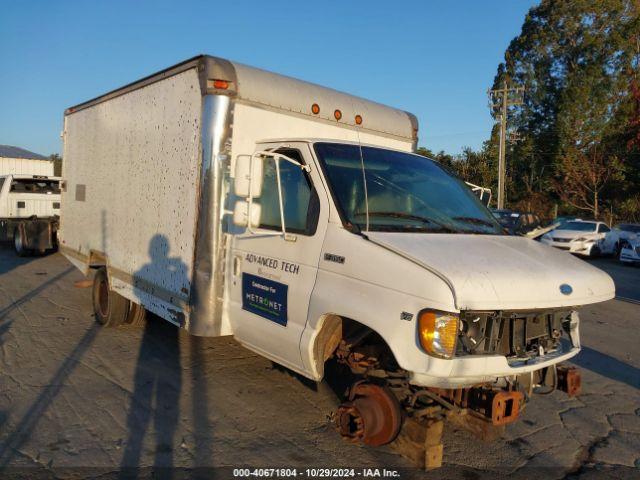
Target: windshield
x=24 y=185
x=578 y=226
x=506 y=218
x=629 y=227
x=403 y=192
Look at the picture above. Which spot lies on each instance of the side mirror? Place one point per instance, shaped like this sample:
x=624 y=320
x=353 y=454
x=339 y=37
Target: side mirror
x=243 y=211
x=248 y=176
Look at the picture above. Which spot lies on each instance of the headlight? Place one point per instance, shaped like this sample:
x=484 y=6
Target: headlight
x=438 y=332
x=585 y=240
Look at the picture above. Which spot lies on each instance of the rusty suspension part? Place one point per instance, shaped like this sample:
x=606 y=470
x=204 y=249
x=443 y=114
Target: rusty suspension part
x=569 y=380
x=498 y=406
x=372 y=415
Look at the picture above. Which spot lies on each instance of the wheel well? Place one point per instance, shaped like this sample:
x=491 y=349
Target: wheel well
x=338 y=331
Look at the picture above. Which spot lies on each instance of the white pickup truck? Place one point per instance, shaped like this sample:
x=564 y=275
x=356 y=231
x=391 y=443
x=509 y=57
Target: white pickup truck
x=233 y=201
x=29 y=212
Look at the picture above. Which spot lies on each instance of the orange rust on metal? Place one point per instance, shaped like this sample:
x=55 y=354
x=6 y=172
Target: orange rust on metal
x=499 y=406
x=371 y=416
x=506 y=407
x=569 y=380
x=86 y=283
x=356 y=360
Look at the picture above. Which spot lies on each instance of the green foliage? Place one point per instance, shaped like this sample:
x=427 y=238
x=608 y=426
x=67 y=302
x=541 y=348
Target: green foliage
x=578 y=61
x=578 y=128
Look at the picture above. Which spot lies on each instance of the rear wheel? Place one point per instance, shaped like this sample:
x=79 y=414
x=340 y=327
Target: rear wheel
x=111 y=309
x=595 y=251
x=137 y=315
x=19 y=243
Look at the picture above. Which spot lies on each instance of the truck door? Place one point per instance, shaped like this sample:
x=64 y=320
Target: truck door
x=272 y=276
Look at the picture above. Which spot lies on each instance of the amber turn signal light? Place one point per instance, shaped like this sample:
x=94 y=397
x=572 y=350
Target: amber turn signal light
x=438 y=332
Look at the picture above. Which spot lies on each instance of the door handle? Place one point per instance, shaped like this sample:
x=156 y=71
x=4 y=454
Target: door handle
x=237 y=265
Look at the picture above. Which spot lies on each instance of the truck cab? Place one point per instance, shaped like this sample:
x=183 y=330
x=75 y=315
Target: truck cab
x=384 y=261
x=394 y=242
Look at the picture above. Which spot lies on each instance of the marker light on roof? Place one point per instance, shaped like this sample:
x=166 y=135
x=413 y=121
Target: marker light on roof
x=221 y=84
x=337 y=114
x=315 y=109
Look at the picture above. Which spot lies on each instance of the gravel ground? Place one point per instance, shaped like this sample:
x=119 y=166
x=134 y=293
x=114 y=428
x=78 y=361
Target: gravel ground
x=77 y=400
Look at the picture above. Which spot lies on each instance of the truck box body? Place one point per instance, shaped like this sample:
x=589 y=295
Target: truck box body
x=25 y=166
x=144 y=168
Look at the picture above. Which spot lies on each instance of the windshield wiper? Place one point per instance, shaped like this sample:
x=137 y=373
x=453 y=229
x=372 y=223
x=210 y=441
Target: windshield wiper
x=409 y=216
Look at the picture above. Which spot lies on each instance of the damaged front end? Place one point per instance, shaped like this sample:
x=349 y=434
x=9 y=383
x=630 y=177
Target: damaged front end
x=523 y=338
x=531 y=342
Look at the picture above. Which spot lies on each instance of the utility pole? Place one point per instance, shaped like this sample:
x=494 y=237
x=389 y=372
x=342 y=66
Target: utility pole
x=503 y=98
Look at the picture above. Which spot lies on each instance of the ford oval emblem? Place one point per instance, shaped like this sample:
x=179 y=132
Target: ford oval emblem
x=566 y=289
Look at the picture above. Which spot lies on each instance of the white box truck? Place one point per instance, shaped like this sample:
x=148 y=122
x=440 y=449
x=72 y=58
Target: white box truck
x=229 y=200
x=29 y=212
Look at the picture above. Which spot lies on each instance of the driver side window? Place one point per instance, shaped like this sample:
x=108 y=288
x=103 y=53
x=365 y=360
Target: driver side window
x=299 y=199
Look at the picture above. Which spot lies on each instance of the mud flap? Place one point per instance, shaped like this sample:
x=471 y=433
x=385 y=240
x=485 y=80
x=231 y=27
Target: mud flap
x=39 y=234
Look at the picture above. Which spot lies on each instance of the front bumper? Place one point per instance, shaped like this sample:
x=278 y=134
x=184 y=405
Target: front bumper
x=584 y=248
x=469 y=370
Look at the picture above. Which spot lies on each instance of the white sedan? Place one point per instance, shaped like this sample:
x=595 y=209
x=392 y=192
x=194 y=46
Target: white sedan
x=588 y=238
x=624 y=232
x=630 y=251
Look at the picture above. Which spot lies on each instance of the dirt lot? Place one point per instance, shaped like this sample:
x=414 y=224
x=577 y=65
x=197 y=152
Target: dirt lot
x=77 y=400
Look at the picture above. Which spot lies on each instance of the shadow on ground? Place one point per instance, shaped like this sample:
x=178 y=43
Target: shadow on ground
x=608 y=366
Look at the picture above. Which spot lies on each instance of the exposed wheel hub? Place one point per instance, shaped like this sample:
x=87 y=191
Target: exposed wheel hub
x=371 y=416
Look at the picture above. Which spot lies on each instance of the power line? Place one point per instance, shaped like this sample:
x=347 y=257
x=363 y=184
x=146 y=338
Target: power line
x=503 y=98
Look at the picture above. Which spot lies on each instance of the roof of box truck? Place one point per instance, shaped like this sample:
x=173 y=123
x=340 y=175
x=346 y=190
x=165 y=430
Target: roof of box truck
x=281 y=93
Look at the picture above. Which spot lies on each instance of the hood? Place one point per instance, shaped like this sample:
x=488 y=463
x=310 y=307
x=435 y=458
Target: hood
x=573 y=234
x=496 y=272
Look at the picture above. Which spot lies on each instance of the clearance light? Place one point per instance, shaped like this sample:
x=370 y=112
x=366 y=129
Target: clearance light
x=358 y=120
x=221 y=84
x=438 y=333
x=337 y=114
x=315 y=109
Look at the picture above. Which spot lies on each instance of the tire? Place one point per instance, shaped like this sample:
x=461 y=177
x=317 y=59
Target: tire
x=110 y=308
x=595 y=252
x=19 y=243
x=137 y=315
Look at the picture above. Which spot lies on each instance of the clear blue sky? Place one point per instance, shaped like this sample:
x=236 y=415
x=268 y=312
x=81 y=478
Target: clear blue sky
x=433 y=58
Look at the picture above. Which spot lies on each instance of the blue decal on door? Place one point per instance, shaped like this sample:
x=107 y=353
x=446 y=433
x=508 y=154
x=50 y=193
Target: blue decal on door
x=265 y=297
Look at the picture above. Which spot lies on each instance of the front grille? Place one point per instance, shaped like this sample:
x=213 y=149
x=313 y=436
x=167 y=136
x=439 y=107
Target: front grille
x=513 y=334
x=562 y=240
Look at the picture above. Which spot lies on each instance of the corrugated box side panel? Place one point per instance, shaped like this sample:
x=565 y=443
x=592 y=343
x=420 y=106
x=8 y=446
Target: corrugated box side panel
x=25 y=166
x=131 y=167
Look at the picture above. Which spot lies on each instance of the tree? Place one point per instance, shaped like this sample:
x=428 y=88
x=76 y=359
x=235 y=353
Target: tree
x=578 y=61
x=57 y=164
x=583 y=178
